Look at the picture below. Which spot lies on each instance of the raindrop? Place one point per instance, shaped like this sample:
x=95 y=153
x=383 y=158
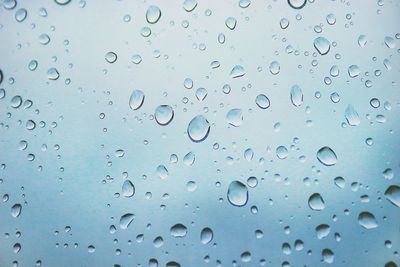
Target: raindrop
x=16 y=210
x=282 y=152
x=126 y=220
x=393 y=195
x=296 y=96
x=158 y=241
x=327 y=156
x=52 y=74
x=30 y=125
x=274 y=67
x=237 y=71
x=284 y=23
x=164 y=114
x=111 y=57
x=178 y=230
x=189 y=5
x=189 y=159
x=351 y=116
x=16 y=101
x=340 y=182
x=328 y=256
x=33 y=64
x=322 y=45
x=237 y=194
x=234 y=117
x=367 y=220
x=136 y=59
x=245 y=256
x=316 y=202
x=362 y=40
x=21 y=14
x=153 y=14
x=162 y=172
x=297 y=4
x=206 y=235
x=389 y=42
x=198 y=129
x=230 y=23
x=322 y=230
x=136 y=100
x=128 y=189
x=201 y=94
x=62 y=2
x=354 y=71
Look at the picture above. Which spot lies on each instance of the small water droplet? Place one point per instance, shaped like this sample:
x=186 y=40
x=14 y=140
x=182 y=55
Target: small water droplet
x=230 y=23
x=52 y=74
x=362 y=40
x=352 y=116
x=16 y=101
x=111 y=57
x=189 y=5
x=21 y=14
x=393 y=195
x=282 y=152
x=16 y=210
x=297 y=4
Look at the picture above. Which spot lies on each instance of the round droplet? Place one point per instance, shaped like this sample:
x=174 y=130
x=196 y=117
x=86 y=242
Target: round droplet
x=189 y=5
x=153 y=14
x=237 y=71
x=111 y=57
x=16 y=101
x=162 y=172
x=367 y=220
x=21 y=14
x=316 y=202
x=322 y=45
x=375 y=103
x=158 y=241
x=30 y=125
x=322 y=230
x=206 y=235
x=327 y=156
x=297 y=4
x=52 y=74
x=296 y=96
x=245 y=256
x=234 y=117
x=274 y=67
x=128 y=189
x=136 y=59
x=164 y=114
x=44 y=39
x=33 y=64
x=282 y=152
x=230 y=23
x=136 y=100
x=178 y=230
x=237 y=194
x=198 y=129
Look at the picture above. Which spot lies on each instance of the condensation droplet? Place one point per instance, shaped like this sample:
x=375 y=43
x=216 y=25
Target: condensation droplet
x=237 y=193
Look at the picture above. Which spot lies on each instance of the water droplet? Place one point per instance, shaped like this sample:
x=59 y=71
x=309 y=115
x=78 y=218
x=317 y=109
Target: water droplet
x=237 y=194
x=296 y=96
x=91 y=249
x=237 y=71
x=327 y=156
x=52 y=74
x=248 y=154
x=162 y=172
x=136 y=100
x=354 y=71
x=322 y=45
x=128 y=189
x=297 y=4
x=44 y=39
x=230 y=23
x=21 y=14
x=62 y=2
x=234 y=117
x=245 y=256
x=351 y=116
x=274 y=67
x=16 y=101
x=389 y=42
x=164 y=114
x=362 y=40
x=374 y=102
x=189 y=5
x=262 y=101
x=284 y=23
x=158 y=241
x=282 y=152
x=198 y=129
x=393 y=195
x=30 y=125
x=340 y=182
x=331 y=19
x=33 y=64
x=328 y=256
x=316 y=202
x=111 y=57
x=153 y=14
x=201 y=94
x=126 y=220
x=16 y=210
x=206 y=235
x=322 y=230
x=136 y=59
x=189 y=159
x=178 y=230
x=367 y=220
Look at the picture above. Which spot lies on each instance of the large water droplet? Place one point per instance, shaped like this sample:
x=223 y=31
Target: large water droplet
x=178 y=230
x=316 y=202
x=16 y=210
x=296 y=95
x=367 y=220
x=362 y=40
x=327 y=156
x=153 y=14
x=21 y=14
x=198 y=129
x=322 y=45
x=206 y=235
x=16 y=101
x=237 y=71
x=393 y=195
x=352 y=116
x=189 y=5
x=164 y=114
x=328 y=256
x=297 y=4
x=136 y=100
x=322 y=230
x=234 y=117
x=126 y=220
x=128 y=189
x=237 y=194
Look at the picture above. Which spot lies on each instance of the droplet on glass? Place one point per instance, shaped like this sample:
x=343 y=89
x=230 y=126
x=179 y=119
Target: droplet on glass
x=164 y=114
x=322 y=45
x=296 y=96
x=153 y=14
x=136 y=100
x=237 y=193
x=327 y=156
x=367 y=220
x=316 y=202
x=206 y=235
x=198 y=129
x=234 y=117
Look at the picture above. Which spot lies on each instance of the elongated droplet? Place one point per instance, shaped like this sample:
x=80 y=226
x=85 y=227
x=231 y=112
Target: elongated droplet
x=262 y=101
x=16 y=210
x=178 y=230
x=352 y=116
x=322 y=45
x=362 y=40
x=198 y=129
x=126 y=220
x=296 y=96
x=164 y=114
x=316 y=202
x=237 y=194
x=206 y=235
x=153 y=14
x=327 y=156
x=128 y=189
x=136 y=100
x=367 y=220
